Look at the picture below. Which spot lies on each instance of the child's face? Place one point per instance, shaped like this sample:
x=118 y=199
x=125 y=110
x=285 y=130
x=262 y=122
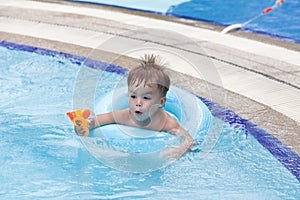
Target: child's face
x=145 y=101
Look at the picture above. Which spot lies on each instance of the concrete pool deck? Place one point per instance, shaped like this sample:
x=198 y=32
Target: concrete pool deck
x=255 y=76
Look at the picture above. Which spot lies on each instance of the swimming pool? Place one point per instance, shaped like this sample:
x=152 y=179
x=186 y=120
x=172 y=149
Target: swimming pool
x=43 y=158
x=281 y=23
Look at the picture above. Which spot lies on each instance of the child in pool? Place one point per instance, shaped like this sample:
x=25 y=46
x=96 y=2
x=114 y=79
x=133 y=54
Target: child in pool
x=148 y=85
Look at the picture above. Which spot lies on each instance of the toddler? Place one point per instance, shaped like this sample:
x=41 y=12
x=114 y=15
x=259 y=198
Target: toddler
x=148 y=85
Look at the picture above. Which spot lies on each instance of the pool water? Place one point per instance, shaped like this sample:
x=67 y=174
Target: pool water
x=41 y=157
x=282 y=22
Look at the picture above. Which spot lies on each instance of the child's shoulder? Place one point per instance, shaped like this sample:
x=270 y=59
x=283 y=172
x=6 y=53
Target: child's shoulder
x=121 y=116
x=170 y=123
x=121 y=112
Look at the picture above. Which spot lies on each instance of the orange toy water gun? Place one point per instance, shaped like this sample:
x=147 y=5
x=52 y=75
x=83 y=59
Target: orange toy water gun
x=80 y=119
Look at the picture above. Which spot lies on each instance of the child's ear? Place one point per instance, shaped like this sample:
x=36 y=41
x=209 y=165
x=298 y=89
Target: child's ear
x=162 y=102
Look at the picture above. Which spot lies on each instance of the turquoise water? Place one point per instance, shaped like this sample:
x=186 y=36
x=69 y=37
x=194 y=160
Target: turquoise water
x=41 y=157
x=282 y=22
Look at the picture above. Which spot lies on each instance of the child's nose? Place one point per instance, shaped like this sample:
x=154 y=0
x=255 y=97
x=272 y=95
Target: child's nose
x=138 y=102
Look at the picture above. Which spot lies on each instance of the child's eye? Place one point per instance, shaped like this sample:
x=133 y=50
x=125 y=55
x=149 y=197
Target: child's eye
x=147 y=98
x=132 y=96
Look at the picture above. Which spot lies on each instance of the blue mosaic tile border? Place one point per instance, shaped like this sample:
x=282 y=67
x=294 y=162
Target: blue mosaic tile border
x=74 y=59
x=280 y=151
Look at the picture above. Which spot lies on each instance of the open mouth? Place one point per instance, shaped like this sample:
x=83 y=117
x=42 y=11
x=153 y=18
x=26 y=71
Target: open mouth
x=138 y=112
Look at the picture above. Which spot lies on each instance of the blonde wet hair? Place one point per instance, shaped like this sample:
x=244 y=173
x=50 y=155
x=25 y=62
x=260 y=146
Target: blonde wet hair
x=151 y=70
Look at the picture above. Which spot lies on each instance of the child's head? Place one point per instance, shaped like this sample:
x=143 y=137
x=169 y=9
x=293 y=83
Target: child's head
x=150 y=72
x=148 y=85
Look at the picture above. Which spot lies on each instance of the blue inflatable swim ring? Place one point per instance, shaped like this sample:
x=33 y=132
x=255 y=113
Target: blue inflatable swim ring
x=138 y=150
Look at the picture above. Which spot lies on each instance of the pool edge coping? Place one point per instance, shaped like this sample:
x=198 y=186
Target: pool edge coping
x=254 y=35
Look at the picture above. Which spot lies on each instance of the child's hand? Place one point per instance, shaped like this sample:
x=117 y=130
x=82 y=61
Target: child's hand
x=83 y=121
x=173 y=153
x=80 y=130
x=176 y=152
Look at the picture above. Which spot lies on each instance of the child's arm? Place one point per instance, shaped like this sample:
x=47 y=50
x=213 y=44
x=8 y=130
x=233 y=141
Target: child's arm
x=104 y=119
x=188 y=141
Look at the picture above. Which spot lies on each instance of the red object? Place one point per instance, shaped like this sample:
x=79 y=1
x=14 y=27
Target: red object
x=86 y=113
x=267 y=10
x=71 y=115
x=279 y=2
